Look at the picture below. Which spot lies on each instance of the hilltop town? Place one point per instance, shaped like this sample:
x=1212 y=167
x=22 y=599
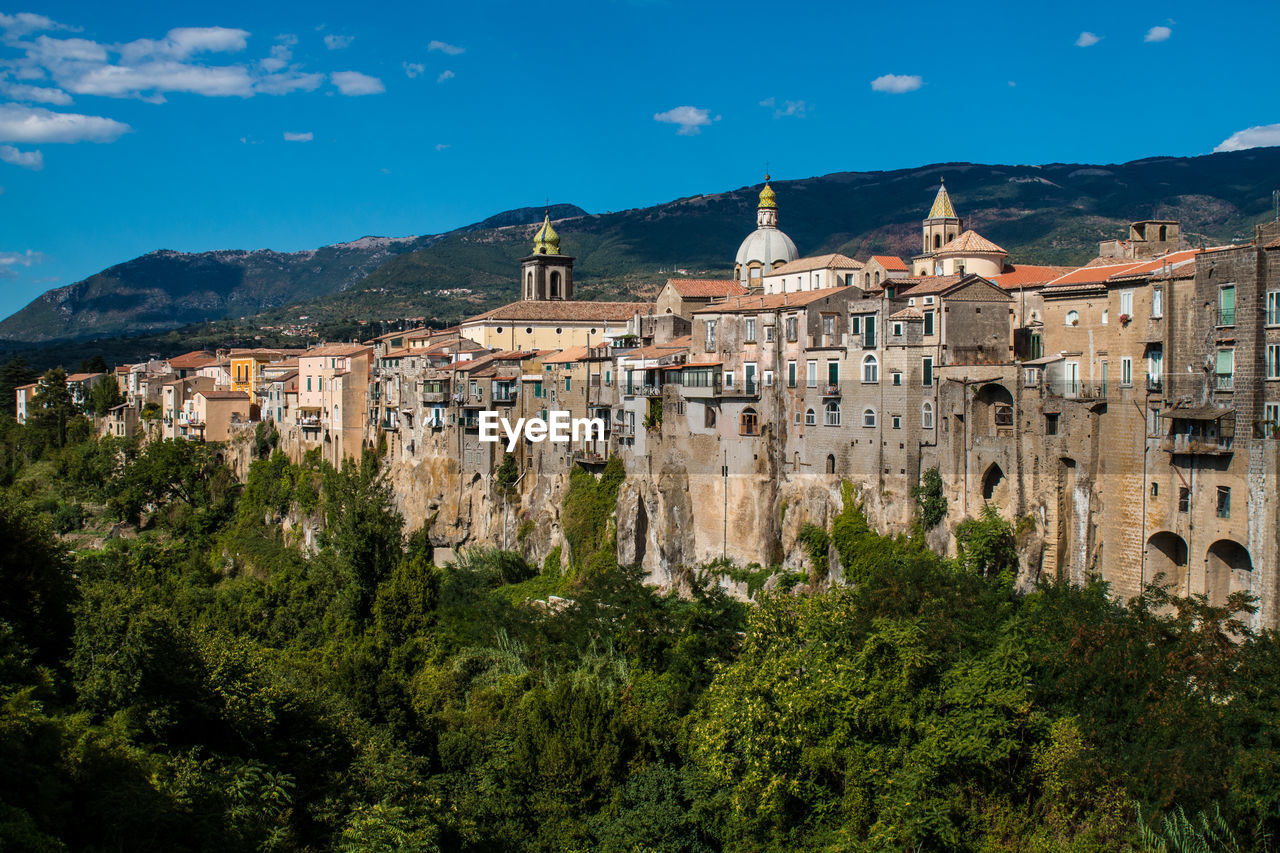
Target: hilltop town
x=1124 y=414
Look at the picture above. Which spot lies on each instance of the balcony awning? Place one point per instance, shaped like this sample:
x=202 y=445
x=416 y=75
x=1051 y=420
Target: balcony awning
x=1197 y=413
x=1042 y=360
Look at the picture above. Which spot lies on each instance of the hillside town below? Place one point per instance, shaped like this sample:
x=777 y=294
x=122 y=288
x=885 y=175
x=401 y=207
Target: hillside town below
x=1124 y=413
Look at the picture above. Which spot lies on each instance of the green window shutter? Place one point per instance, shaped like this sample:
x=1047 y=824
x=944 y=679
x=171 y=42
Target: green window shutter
x=1225 y=361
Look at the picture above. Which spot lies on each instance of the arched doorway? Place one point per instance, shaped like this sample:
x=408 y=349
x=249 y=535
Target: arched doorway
x=1167 y=555
x=555 y=285
x=992 y=481
x=831 y=463
x=1227 y=569
x=993 y=411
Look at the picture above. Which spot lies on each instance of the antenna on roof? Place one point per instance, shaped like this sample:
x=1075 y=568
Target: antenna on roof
x=1275 y=202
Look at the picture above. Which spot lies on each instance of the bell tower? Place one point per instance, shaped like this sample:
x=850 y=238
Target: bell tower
x=546 y=275
x=942 y=225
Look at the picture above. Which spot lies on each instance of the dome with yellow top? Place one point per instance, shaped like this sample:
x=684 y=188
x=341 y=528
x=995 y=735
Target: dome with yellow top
x=767 y=196
x=546 y=241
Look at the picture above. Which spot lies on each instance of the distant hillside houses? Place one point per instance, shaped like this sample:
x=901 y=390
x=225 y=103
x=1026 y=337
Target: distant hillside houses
x=1126 y=412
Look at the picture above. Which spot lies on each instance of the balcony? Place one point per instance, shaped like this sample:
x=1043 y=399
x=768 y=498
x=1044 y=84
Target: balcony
x=309 y=421
x=1224 y=381
x=504 y=397
x=1154 y=385
x=586 y=457
x=470 y=420
x=429 y=397
x=1224 y=317
x=832 y=390
x=622 y=429
x=1196 y=445
x=1076 y=390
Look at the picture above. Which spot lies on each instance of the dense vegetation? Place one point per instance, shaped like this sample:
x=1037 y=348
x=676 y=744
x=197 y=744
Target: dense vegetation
x=204 y=664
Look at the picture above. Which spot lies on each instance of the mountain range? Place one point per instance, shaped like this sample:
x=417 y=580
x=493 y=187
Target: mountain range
x=1053 y=213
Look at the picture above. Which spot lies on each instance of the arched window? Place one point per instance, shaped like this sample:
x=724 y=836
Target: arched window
x=868 y=278
x=877 y=277
x=555 y=285
x=926 y=416
x=1163 y=233
x=831 y=463
x=810 y=417
x=528 y=286
x=937 y=241
x=831 y=416
x=870 y=368
x=749 y=422
x=868 y=417
x=1073 y=318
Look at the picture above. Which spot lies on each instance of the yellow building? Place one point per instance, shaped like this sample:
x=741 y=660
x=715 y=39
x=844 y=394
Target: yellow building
x=247 y=366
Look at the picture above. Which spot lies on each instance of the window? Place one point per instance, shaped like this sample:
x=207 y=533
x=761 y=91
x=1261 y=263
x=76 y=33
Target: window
x=308 y=383
x=768 y=334
x=708 y=416
x=926 y=416
x=1227 y=305
x=1155 y=366
x=928 y=322
x=1126 y=372
x=1184 y=499
x=926 y=371
x=799 y=417
x=1051 y=424
x=792 y=332
x=1073 y=318
x=1105 y=315
x=1155 y=490
x=1037 y=345
x=728 y=379
x=829 y=325
x=833 y=373
x=896 y=420
x=566 y=383
x=750 y=330
x=791 y=374
x=811 y=374
x=768 y=379
x=868 y=417
x=711 y=335
x=1157 y=302
x=1225 y=369
x=1271 y=419
x=831 y=415
x=897 y=329
x=870 y=368
x=1126 y=302
x=1273 y=361
x=869 y=332
x=1224 y=502
x=810 y=417
x=1273 y=308
x=855 y=324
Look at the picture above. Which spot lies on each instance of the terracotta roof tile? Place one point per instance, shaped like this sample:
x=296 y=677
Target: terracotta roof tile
x=834 y=260
x=907 y=313
x=191 y=360
x=81 y=377
x=567 y=356
x=890 y=262
x=572 y=311
x=1027 y=275
x=970 y=241
x=223 y=395
x=336 y=350
x=771 y=302
x=701 y=288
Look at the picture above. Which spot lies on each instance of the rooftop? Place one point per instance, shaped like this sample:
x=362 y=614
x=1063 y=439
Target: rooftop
x=889 y=262
x=970 y=242
x=191 y=360
x=771 y=302
x=702 y=288
x=568 y=311
x=835 y=260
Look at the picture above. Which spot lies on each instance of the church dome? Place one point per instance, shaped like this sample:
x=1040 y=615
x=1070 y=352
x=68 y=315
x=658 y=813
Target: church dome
x=546 y=241
x=766 y=246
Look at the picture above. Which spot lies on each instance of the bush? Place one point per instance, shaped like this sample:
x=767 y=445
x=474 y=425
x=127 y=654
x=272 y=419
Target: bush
x=931 y=504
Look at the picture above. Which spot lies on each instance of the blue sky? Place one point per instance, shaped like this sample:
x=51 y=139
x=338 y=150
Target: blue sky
x=130 y=127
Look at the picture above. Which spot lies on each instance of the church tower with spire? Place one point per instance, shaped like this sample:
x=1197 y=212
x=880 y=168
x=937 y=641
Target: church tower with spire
x=766 y=248
x=546 y=275
x=940 y=227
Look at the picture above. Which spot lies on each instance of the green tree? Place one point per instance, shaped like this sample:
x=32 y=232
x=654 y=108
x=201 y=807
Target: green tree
x=15 y=373
x=104 y=395
x=986 y=545
x=36 y=585
x=931 y=503
x=52 y=411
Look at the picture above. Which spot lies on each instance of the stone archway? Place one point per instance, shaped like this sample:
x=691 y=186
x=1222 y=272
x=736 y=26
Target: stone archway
x=992 y=411
x=1167 y=555
x=994 y=485
x=1228 y=568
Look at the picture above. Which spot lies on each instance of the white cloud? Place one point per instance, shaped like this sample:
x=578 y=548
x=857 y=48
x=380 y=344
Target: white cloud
x=184 y=42
x=445 y=47
x=32 y=160
x=413 y=69
x=445 y=75
x=690 y=119
x=897 y=84
x=298 y=137
x=150 y=69
x=1158 y=34
x=28 y=22
x=355 y=83
x=440 y=146
x=10 y=260
x=1088 y=39
x=1262 y=136
x=36 y=94
x=36 y=125
x=798 y=109
x=337 y=42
